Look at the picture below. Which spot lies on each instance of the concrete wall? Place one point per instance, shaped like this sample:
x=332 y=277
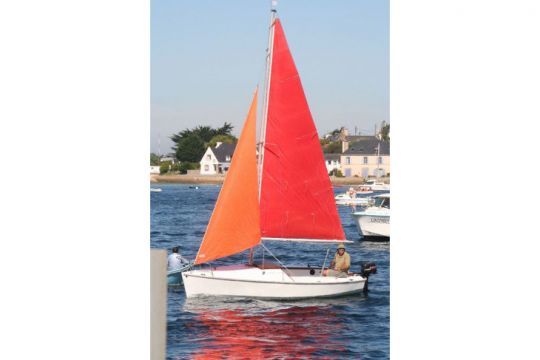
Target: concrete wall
x=158 y=304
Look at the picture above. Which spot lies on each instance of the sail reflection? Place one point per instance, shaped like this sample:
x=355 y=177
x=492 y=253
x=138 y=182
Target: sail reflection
x=254 y=333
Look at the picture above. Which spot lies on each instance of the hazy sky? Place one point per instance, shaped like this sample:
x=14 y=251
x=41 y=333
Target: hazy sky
x=207 y=56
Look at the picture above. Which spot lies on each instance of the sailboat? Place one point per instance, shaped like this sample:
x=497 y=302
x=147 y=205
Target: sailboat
x=280 y=193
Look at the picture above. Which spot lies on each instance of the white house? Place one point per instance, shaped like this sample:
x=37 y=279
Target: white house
x=154 y=169
x=169 y=157
x=217 y=160
x=332 y=161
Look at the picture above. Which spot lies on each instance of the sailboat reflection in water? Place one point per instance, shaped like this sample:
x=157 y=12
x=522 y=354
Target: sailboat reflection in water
x=233 y=333
x=284 y=194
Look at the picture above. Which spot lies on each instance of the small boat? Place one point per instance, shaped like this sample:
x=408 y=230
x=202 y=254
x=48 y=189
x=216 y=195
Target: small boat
x=351 y=197
x=174 y=277
x=375 y=185
x=194 y=187
x=155 y=190
x=374 y=221
x=284 y=194
x=346 y=199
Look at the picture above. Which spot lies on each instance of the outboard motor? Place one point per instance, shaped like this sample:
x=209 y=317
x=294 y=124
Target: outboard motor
x=368 y=268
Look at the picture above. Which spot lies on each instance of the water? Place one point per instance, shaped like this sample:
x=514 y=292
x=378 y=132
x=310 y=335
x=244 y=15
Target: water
x=353 y=327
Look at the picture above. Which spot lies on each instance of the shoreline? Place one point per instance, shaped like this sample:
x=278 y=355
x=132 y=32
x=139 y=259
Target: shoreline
x=213 y=179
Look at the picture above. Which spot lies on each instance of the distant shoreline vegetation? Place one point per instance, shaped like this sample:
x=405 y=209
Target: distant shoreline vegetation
x=190 y=144
x=189 y=147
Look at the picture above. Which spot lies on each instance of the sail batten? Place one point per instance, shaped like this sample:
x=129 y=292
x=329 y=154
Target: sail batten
x=235 y=223
x=297 y=199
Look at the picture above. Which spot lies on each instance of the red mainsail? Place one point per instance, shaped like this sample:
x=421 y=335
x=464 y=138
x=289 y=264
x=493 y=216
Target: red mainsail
x=296 y=200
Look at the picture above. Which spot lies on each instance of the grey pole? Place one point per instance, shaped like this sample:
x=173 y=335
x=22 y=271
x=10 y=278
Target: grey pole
x=158 y=304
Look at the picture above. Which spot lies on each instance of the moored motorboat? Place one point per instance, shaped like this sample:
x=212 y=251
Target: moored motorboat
x=346 y=199
x=374 y=221
x=155 y=189
x=375 y=185
x=353 y=197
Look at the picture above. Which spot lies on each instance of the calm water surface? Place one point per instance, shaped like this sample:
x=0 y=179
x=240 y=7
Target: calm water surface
x=353 y=327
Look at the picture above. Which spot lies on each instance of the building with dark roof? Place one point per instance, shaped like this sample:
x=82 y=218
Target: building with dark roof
x=367 y=157
x=217 y=160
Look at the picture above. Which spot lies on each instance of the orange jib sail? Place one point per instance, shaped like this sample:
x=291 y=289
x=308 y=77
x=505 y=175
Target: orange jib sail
x=235 y=222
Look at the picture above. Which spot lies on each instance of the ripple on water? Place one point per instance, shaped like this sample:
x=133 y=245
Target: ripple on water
x=350 y=327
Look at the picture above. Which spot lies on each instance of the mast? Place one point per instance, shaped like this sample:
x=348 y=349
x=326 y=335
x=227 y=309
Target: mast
x=378 y=159
x=268 y=74
x=262 y=132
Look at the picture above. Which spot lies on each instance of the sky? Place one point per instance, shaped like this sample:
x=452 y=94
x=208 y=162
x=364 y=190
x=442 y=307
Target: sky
x=207 y=57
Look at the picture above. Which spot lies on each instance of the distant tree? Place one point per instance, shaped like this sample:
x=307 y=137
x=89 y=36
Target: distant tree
x=190 y=148
x=336 y=173
x=187 y=147
x=333 y=148
x=226 y=139
x=226 y=129
x=185 y=166
x=385 y=132
x=175 y=167
x=154 y=159
x=164 y=167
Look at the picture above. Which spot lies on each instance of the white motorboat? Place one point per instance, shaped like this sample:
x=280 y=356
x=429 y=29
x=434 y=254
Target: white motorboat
x=354 y=197
x=255 y=200
x=346 y=199
x=155 y=189
x=374 y=221
x=375 y=185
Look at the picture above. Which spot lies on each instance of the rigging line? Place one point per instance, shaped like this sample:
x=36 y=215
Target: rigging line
x=283 y=265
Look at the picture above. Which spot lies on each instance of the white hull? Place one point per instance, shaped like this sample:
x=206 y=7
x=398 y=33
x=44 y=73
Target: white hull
x=380 y=187
x=269 y=283
x=345 y=199
x=372 y=224
x=155 y=190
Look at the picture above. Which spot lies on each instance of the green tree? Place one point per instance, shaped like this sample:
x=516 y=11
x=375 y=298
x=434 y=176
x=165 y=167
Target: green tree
x=226 y=139
x=333 y=148
x=185 y=141
x=185 y=166
x=226 y=129
x=175 y=167
x=385 y=132
x=154 y=159
x=164 y=167
x=190 y=148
